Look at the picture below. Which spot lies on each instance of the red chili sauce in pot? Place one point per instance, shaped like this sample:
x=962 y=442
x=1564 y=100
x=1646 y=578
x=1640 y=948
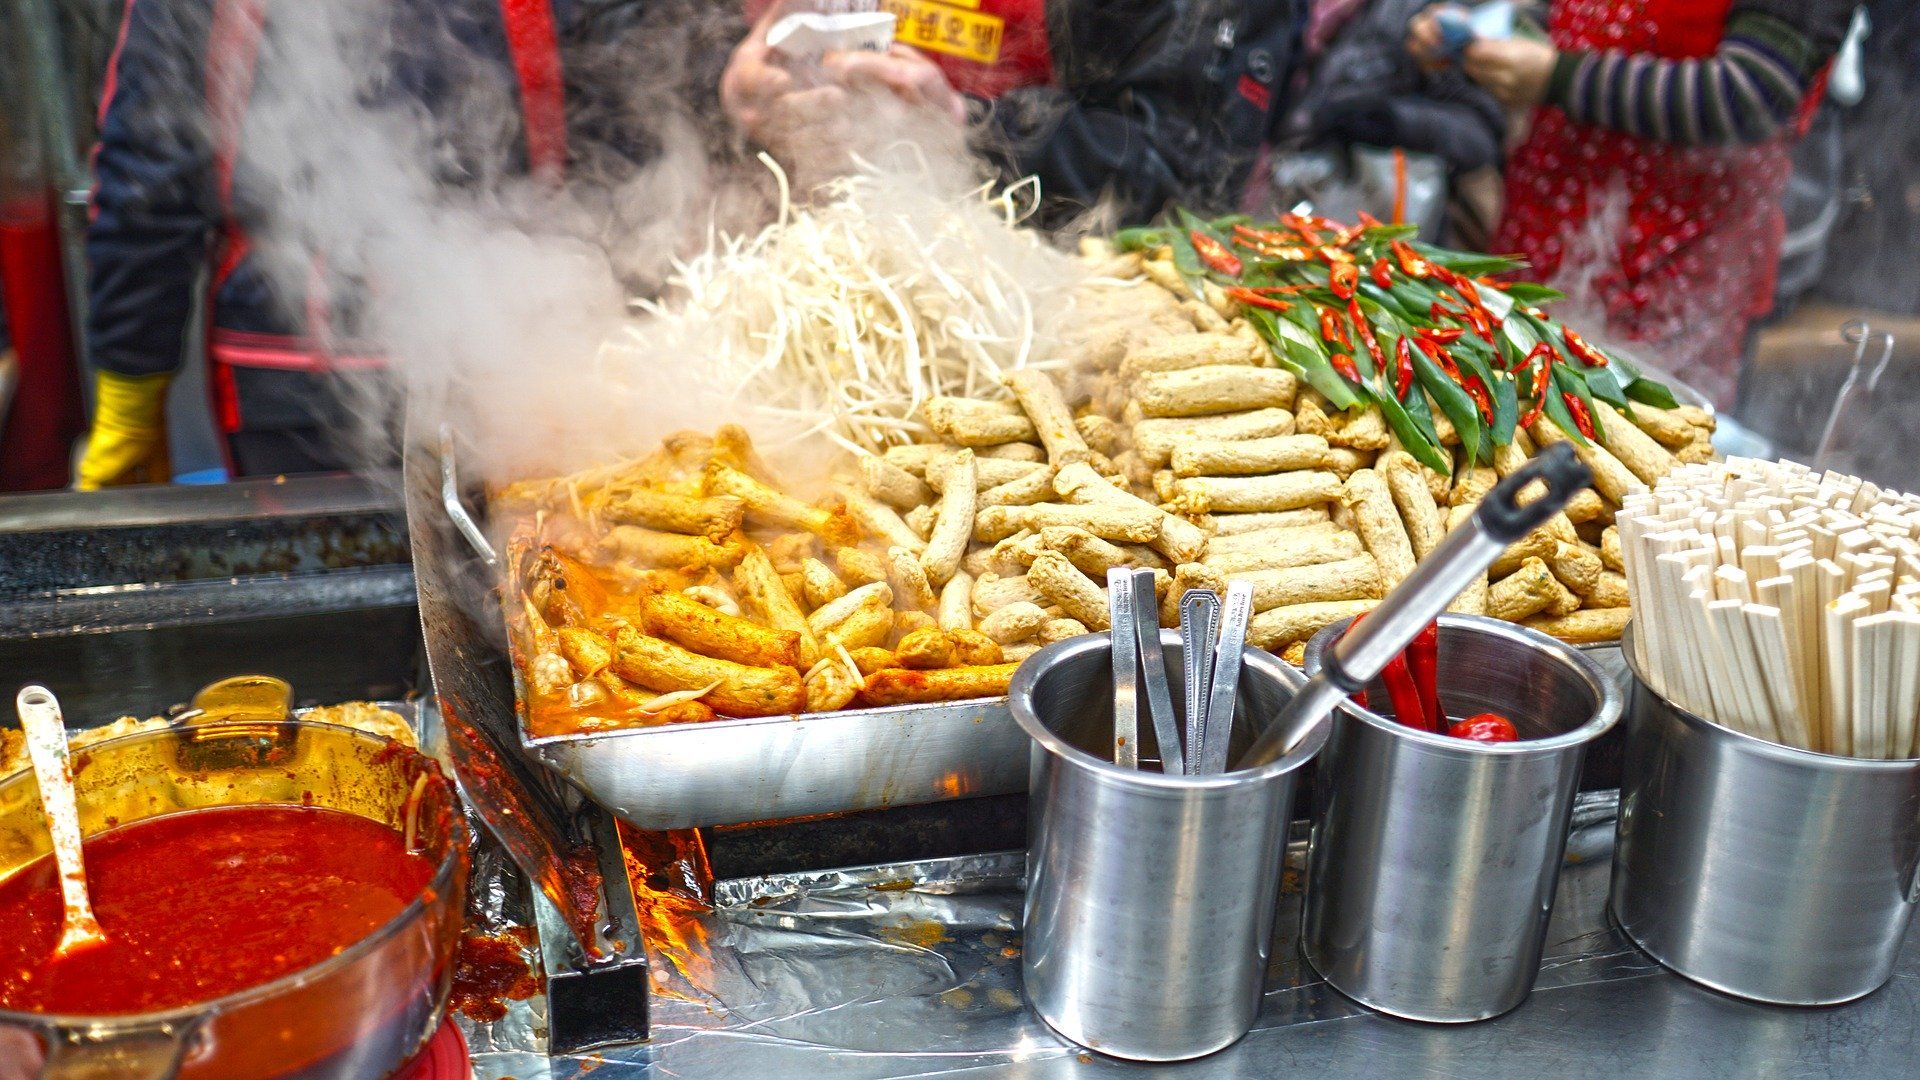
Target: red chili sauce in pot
x=202 y=904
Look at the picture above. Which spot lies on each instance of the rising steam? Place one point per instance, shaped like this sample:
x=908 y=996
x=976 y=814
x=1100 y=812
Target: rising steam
x=381 y=139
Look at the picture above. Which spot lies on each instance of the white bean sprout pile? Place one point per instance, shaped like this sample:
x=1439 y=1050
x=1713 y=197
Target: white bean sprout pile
x=848 y=312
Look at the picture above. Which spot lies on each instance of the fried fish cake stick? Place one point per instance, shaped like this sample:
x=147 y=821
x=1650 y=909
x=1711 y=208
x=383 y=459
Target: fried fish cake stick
x=1208 y=391
x=1180 y=540
x=689 y=623
x=743 y=690
x=819 y=585
x=1314 y=549
x=1256 y=494
x=899 y=686
x=775 y=507
x=671 y=550
x=1188 y=351
x=1133 y=524
x=1378 y=523
x=1522 y=593
x=831 y=686
x=1637 y=450
x=1156 y=439
x=768 y=598
x=1040 y=397
x=928 y=647
x=967 y=422
x=892 y=484
x=881 y=521
x=1413 y=496
x=1357 y=578
x=953 y=523
x=955 y=610
x=911 y=589
x=1667 y=426
x=1588 y=626
x=1013 y=623
x=1249 y=457
x=1075 y=593
x=715 y=518
x=1236 y=524
x=1277 y=628
x=1610 y=477
x=878 y=594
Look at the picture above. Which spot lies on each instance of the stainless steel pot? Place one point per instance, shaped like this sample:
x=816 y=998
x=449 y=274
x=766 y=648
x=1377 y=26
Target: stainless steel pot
x=1762 y=871
x=1432 y=861
x=1150 y=897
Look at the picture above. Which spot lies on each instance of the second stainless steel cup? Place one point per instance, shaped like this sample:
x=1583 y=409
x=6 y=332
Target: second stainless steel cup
x=1433 y=860
x=1150 y=897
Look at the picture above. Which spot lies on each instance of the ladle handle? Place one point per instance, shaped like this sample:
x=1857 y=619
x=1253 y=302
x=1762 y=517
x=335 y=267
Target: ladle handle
x=1499 y=521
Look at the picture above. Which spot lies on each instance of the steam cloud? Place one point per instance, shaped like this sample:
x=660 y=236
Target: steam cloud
x=490 y=292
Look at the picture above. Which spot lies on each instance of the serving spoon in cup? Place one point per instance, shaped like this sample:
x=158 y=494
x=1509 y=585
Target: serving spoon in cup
x=46 y=735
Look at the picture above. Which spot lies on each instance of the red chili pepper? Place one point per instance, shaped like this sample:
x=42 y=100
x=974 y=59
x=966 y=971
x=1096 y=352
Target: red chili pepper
x=1343 y=364
x=1402 y=369
x=1368 y=220
x=1405 y=696
x=1542 y=352
x=1365 y=330
x=1334 y=256
x=1381 y=273
x=1344 y=279
x=1578 y=346
x=1539 y=390
x=1263 y=236
x=1255 y=299
x=1460 y=285
x=1303 y=226
x=1332 y=330
x=1581 y=418
x=1284 y=254
x=1411 y=262
x=1477 y=390
x=1347 y=236
x=1423 y=660
x=1486 y=727
x=1215 y=254
x=1443 y=335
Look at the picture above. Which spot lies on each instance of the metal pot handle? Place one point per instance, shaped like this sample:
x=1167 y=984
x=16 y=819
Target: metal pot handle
x=148 y=1052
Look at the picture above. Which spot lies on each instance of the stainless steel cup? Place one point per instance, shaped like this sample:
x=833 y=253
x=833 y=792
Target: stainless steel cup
x=1762 y=871
x=1150 y=898
x=1433 y=860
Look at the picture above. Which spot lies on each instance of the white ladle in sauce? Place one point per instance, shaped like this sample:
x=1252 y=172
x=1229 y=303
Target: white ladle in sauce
x=46 y=737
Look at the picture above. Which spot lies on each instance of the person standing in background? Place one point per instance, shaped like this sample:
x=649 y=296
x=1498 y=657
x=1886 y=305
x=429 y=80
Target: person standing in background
x=1126 y=105
x=1658 y=148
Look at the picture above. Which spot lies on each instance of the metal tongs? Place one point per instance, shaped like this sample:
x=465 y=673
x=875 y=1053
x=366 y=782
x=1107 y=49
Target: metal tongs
x=1498 y=522
x=1212 y=672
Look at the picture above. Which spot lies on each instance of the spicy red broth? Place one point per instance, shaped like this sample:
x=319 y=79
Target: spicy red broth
x=202 y=904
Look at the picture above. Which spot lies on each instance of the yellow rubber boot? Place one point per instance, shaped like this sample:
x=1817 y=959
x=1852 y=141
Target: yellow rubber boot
x=128 y=444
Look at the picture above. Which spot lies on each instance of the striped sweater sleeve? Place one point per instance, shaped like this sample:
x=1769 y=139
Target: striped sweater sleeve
x=1744 y=93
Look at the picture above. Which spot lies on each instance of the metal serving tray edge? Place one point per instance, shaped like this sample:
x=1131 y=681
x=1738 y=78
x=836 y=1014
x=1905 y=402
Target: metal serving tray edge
x=725 y=772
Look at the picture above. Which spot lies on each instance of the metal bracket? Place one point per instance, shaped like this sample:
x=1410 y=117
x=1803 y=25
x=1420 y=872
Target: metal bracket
x=456 y=509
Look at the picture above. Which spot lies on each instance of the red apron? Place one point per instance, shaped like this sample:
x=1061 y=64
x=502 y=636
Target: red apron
x=985 y=47
x=1678 y=244
x=233 y=50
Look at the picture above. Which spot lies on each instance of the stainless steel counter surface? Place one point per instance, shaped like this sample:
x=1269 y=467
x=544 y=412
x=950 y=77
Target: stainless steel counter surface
x=912 y=970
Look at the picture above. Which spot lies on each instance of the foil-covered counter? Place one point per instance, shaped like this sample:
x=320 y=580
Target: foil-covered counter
x=913 y=970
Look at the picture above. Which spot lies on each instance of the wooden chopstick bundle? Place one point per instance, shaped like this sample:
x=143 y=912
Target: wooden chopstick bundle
x=1780 y=602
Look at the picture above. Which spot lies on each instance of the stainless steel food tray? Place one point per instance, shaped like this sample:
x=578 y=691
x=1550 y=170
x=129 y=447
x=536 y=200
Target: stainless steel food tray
x=723 y=772
x=726 y=772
